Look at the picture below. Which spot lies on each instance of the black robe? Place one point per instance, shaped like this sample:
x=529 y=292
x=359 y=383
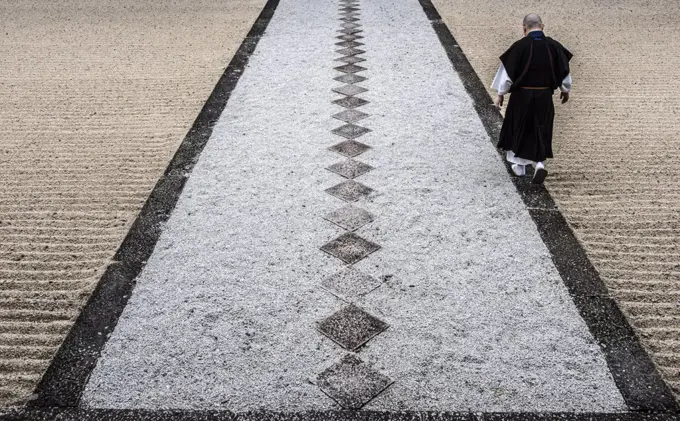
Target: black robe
x=534 y=61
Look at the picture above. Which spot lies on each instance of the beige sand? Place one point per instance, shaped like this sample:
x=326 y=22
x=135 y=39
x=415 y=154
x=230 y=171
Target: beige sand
x=96 y=97
x=615 y=172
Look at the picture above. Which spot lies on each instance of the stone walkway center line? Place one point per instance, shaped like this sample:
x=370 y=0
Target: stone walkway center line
x=348 y=239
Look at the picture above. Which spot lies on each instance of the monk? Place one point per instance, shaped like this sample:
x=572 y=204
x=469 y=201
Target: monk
x=531 y=70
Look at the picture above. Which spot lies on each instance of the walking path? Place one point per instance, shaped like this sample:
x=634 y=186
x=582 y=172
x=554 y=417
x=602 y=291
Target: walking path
x=291 y=277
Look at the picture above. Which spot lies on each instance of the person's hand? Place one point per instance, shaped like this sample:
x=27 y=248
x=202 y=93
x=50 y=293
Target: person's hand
x=564 y=96
x=499 y=101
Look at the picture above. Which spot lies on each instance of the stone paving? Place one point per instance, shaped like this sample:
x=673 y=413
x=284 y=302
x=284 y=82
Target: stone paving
x=614 y=175
x=349 y=238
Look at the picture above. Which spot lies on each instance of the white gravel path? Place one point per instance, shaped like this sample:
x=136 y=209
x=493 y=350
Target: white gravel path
x=223 y=315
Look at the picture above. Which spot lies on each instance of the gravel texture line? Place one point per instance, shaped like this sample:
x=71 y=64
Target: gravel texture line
x=613 y=175
x=96 y=97
x=224 y=312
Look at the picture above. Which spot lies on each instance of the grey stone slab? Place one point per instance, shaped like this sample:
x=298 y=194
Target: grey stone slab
x=349 y=90
x=350 y=25
x=350 y=148
x=349 y=191
x=350 y=131
x=346 y=37
x=349 y=217
x=350 y=51
x=350 y=68
x=352 y=383
x=351 y=327
x=350 y=78
x=350 y=102
x=350 y=116
x=351 y=59
x=349 y=247
x=350 y=168
x=349 y=44
x=351 y=31
x=348 y=284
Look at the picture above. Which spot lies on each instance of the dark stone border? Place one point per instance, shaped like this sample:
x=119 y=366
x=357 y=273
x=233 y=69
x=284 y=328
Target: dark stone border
x=634 y=373
x=190 y=415
x=63 y=382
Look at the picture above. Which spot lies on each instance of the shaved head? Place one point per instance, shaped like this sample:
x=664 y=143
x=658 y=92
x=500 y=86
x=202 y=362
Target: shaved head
x=532 y=21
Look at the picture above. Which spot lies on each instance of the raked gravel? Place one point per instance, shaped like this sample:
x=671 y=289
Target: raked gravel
x=224 y=313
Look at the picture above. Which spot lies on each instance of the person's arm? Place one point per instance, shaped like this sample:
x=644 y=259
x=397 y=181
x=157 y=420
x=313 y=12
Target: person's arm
x=502 y=84
x=565 y=88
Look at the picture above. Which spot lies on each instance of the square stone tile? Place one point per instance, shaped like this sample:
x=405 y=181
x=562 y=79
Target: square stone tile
x=350 y=102
x=346 y=37
x=350 y=78
x=350 y=148
x=350 y=25
x=352 y=383
x=350 y=68
x=350 y=116
x=350 y=168
x=349 y=247
x=349 y=90
x=350 y=51
x=351 y=59
x=350 y=131
x=351 y=327
x=349 y=44
x=349 y=217
x=348 y=284
x=349 y=191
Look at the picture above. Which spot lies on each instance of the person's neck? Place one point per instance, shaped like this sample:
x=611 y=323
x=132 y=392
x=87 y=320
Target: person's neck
x=534 y=30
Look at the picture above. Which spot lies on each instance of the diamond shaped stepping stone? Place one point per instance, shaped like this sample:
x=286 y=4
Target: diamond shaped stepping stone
x=352 y=383
x=350 y=116
x=349 y=19
x=350 y=25
x=350 y=78
x=349 y=217
x=350 y=102
x=351 y=327
x=350 y=131
x=349 y=90
x=350 y=51
x=350 y=148
x=350 y=68
x=350 y=168
x=349 y=191
x=346 y=37
x=350 y=31
x=350 y=248
x=350 y=59
x=349 y=284
x=349 y=44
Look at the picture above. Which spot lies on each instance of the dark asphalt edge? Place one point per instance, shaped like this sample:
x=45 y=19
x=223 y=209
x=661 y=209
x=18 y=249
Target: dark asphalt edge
x=216 y=415
x=66 y=377
x=631 y=367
